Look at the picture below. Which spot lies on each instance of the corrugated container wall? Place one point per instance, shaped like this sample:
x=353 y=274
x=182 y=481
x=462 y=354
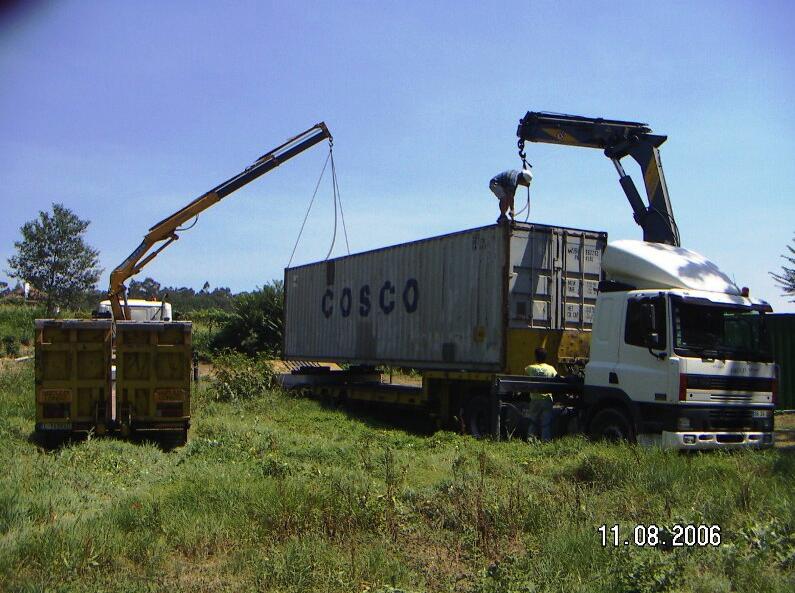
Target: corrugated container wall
x=782 y=333
x=445 y=302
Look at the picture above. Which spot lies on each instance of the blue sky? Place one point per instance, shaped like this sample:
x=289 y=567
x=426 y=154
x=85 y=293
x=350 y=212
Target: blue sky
x=124 y=111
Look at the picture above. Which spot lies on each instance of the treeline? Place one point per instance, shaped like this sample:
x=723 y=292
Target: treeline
x=248 y=322
x=182 y=298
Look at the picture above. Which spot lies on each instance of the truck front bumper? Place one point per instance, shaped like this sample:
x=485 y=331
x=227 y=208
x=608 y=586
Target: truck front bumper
x=700 y=440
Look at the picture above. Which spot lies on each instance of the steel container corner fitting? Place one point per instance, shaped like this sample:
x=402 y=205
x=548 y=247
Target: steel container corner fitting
x=477 y=300
x=72 y=375
x=153 y=375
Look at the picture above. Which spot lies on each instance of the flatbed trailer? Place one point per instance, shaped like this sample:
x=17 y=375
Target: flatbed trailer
x=481 y=404
x=497 y=405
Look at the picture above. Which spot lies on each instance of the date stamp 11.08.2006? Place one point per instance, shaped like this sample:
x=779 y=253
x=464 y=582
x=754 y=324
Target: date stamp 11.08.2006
x=654 y=536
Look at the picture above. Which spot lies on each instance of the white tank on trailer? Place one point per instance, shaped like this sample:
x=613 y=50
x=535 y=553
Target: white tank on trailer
x=655 y=265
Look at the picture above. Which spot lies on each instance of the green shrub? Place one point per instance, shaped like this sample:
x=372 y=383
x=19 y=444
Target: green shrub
x=255 y=326
x=10 y=346
x=238 y=377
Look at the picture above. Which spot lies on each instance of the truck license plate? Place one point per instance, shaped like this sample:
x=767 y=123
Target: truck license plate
x=54 y=426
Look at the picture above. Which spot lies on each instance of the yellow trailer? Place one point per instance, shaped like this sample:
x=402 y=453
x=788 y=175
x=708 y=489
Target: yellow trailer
x=153 y=376
x=72 y=376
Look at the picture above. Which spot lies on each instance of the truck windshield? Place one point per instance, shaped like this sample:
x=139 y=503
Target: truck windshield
x=715 y=331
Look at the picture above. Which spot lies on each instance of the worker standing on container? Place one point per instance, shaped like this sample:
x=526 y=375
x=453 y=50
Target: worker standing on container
x=504 y=187
x=541 y=403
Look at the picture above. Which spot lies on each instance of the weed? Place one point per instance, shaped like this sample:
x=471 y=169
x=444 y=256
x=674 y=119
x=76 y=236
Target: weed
x=239 y=377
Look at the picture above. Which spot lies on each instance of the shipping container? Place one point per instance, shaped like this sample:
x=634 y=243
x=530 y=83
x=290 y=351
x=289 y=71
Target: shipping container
x=72 y=375
x=781 y=327
x=476 y=300
x=153 y=376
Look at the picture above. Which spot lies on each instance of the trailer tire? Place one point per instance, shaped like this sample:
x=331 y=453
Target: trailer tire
x=477 y=416
x=611 y=424
x=50 y=440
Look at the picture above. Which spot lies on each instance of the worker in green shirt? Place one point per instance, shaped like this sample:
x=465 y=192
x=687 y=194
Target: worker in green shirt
x=541 y=403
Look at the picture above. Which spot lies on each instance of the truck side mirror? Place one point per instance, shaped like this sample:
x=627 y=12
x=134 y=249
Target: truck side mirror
x=649 y=330
x=652 y=339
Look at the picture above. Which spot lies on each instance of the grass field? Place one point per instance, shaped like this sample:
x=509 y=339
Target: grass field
x=274 y=493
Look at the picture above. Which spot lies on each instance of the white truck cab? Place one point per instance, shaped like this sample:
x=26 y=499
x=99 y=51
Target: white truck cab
x=679 y=354
x=141 y=310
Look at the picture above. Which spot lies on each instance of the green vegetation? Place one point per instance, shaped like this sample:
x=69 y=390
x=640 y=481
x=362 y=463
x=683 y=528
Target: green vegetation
x=182 y=298
x=786 y=278
x=16 y=326
x=276 y=493
x=253 y=325
x=55 y=259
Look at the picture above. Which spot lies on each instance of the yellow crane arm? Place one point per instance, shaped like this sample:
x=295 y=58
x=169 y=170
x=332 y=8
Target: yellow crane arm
x=165 y=230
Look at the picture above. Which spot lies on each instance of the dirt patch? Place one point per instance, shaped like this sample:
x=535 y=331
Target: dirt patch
x=399 y=379
x=205 y=369
x=785 y=431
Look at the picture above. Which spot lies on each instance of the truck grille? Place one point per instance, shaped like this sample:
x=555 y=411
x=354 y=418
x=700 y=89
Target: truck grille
x=731 y=398
x=730 y=419
x=729 y=383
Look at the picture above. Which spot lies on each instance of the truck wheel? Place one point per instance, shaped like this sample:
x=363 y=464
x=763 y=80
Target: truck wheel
x=478 y=417
x=611 y=425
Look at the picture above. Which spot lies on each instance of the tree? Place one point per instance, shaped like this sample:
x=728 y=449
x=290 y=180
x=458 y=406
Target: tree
x=53 y=257
x=786 y=279
x=148 y=288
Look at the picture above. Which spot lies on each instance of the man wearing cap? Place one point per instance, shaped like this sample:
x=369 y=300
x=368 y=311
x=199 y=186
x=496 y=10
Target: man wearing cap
x=504 y=187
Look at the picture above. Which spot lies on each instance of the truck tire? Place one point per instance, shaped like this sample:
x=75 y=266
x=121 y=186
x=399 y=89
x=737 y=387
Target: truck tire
x=477 y=417
x=611 y=424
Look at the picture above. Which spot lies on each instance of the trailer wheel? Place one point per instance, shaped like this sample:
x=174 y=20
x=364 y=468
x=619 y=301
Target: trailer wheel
x=50 y=440
x=611 y=425
x=477 y=416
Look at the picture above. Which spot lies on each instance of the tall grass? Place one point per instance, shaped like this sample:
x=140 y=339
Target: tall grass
x=280 y=494
x=16 y=323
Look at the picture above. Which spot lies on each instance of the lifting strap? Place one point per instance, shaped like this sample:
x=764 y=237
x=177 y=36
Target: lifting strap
x=337 y=202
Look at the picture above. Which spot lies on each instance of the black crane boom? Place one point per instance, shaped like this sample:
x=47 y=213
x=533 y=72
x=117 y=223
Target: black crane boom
x=617 y=139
